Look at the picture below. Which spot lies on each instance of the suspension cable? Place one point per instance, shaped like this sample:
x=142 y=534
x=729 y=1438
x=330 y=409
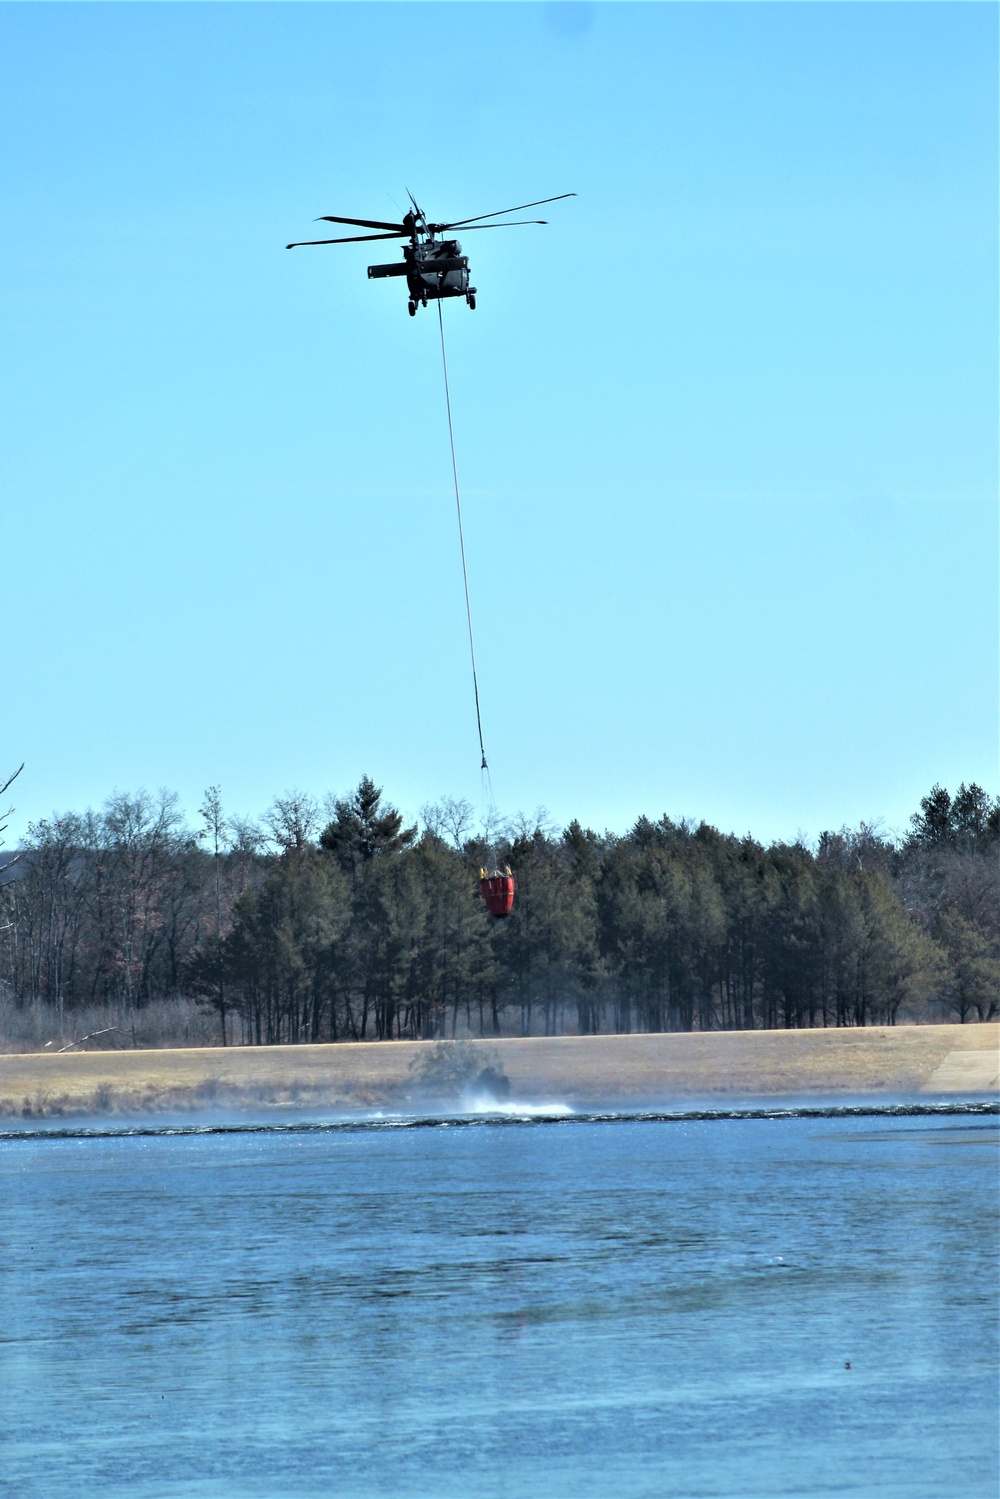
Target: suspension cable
x=461 y=542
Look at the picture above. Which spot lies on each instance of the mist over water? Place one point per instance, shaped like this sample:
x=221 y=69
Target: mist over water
x=500 y=1304
x=490 y=1108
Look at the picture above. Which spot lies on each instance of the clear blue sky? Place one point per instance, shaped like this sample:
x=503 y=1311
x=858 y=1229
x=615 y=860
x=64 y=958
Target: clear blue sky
x=727 y=428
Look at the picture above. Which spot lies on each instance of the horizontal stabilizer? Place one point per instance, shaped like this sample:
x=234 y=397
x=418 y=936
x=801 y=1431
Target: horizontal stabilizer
x=376 y=272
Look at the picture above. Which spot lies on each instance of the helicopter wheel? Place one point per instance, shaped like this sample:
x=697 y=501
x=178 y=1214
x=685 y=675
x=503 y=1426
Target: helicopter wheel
x=471 y=299
x=411 y=308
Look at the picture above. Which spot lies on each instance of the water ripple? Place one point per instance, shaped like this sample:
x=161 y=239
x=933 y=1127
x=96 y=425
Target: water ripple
x=509 y=1116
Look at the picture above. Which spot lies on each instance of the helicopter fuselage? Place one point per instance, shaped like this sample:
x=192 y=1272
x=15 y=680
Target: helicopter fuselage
x=434 y=269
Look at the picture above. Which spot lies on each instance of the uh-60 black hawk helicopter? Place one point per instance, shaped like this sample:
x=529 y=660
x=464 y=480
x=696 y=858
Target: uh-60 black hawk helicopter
x=434 y=268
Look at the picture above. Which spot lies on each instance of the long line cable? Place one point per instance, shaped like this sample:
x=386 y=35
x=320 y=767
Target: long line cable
x=461 y=542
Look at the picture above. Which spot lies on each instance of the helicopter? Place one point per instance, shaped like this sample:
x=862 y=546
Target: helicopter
x=434 y=267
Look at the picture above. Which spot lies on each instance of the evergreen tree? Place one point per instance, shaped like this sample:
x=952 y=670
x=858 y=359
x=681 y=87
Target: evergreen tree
x=363 y=828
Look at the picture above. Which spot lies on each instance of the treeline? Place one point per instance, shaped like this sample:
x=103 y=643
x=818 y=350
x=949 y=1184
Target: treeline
x=345 y=924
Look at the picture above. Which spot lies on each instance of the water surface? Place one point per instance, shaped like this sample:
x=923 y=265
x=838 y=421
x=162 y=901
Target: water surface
x=627 y=1307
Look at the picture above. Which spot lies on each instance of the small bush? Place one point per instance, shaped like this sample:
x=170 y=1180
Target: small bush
x=453 y=1070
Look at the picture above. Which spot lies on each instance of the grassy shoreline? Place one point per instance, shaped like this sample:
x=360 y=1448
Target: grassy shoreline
x=582 y=1071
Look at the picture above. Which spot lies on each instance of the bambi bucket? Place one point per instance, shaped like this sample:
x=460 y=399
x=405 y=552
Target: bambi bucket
x=498 y=891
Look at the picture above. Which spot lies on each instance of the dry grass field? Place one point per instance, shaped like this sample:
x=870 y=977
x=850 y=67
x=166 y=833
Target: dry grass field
x=582 y=1071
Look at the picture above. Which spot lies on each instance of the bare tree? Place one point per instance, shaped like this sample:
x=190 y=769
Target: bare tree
x=291 y=820
x=214 y=831
x=449 y=820
x=140 y=837
x=5 y=816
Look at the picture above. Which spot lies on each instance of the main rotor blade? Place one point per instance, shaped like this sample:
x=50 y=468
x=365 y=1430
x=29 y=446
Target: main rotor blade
x=350 y=239
x=331 y=218
x=495 y=215
x=514 y=223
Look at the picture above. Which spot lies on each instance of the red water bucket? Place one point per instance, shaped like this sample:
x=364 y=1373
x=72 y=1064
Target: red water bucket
x=498 y=891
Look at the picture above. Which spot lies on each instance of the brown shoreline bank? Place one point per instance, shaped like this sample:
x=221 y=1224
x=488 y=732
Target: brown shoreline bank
x=582 y=1071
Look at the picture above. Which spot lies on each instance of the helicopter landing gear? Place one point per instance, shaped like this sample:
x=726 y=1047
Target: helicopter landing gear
x=411 y=308
x=470 y=297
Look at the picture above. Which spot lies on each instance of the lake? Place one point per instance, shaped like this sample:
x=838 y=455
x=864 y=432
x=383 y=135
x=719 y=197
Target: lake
x=617 y=1306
